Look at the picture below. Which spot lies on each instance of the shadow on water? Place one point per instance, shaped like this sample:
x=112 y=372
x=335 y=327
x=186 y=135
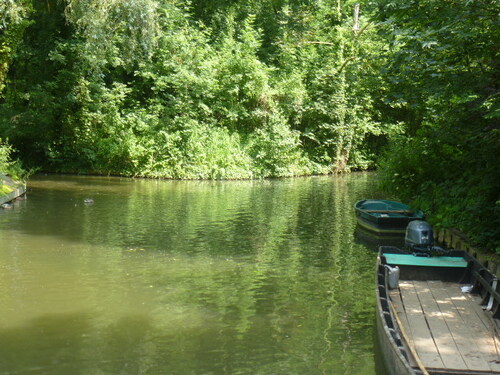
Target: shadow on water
x=46 y=345
x=68 y=344
x=72 y=344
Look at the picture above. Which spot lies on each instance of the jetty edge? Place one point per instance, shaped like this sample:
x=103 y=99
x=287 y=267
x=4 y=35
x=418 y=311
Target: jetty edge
x=10 y=189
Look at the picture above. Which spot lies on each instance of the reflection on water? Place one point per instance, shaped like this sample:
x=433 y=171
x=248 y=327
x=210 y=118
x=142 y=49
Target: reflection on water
x=373 y=241
x=167 y=277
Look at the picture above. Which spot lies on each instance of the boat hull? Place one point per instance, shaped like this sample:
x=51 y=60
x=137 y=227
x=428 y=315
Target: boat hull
x=395 y=362
x=385 y=217
x=386 y=226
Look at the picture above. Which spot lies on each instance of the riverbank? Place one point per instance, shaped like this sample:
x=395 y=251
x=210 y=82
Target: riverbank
x=10 y=189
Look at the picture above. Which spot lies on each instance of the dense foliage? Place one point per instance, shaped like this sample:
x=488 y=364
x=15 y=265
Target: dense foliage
x=245 y=89
x=443 y=83
x=13 y=22
x=5 y=151
x=193 y=89
x=10 y=167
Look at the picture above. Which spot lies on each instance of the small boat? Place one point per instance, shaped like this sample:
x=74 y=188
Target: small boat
x=385 y=217
x=437 y=314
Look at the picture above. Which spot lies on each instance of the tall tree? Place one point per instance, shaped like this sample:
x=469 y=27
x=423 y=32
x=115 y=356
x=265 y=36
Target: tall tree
x=443 y=77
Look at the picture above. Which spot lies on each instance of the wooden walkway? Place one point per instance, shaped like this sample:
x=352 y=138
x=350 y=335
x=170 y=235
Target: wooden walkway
x=447 y=328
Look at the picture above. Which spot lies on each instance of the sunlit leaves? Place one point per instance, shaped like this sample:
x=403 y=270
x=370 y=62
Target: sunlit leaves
x=12 y=11
x=115 y=31
x=13 y=21
x=178 y=88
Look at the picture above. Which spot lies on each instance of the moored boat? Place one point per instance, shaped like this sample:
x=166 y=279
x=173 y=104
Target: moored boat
x=384 y=216
x=437 y=314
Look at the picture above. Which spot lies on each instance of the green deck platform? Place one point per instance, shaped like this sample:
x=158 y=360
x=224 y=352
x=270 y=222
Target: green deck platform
x=411 y=260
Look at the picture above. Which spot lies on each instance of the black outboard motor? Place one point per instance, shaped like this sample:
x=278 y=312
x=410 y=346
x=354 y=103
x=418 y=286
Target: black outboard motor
x=419 y=236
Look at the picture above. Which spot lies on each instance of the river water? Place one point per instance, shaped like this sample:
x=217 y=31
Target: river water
x=168 y=277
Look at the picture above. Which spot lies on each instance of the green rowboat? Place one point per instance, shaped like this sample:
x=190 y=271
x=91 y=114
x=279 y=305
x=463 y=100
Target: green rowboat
x=384 y=216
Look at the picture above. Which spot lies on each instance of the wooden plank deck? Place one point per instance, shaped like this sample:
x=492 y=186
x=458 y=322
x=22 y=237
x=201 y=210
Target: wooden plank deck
x=448 y=328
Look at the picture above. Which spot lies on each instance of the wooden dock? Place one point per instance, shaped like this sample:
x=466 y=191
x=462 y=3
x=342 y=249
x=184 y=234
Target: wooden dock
x=447 y=328
x=13 y=189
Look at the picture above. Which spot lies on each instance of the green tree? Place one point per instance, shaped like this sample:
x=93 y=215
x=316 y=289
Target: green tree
x=190 y=89
x=443 y=79
x=13 y=14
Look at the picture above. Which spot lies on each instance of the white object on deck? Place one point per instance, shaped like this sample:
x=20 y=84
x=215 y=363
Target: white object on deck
x=392 y=276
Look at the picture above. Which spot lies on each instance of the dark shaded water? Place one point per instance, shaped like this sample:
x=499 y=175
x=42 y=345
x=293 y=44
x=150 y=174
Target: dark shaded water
x=164 y=277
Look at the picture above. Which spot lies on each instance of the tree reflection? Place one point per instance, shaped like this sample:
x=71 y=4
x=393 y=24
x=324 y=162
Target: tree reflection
x=193 y=278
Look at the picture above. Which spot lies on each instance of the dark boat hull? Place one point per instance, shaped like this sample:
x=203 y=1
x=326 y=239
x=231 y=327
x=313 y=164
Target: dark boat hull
x=394 y=354
x=385 y=217
x=383 y=226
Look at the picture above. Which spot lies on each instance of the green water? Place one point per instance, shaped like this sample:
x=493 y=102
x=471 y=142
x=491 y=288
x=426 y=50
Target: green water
x=164 y=277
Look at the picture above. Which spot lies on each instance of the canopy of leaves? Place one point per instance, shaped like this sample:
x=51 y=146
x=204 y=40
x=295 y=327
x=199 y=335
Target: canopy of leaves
x=192 y=89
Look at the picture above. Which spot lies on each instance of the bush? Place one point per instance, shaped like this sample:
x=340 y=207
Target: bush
x=10 y=167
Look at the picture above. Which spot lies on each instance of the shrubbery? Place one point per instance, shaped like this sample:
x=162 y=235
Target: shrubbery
x=8 y=166
x=143 y=88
